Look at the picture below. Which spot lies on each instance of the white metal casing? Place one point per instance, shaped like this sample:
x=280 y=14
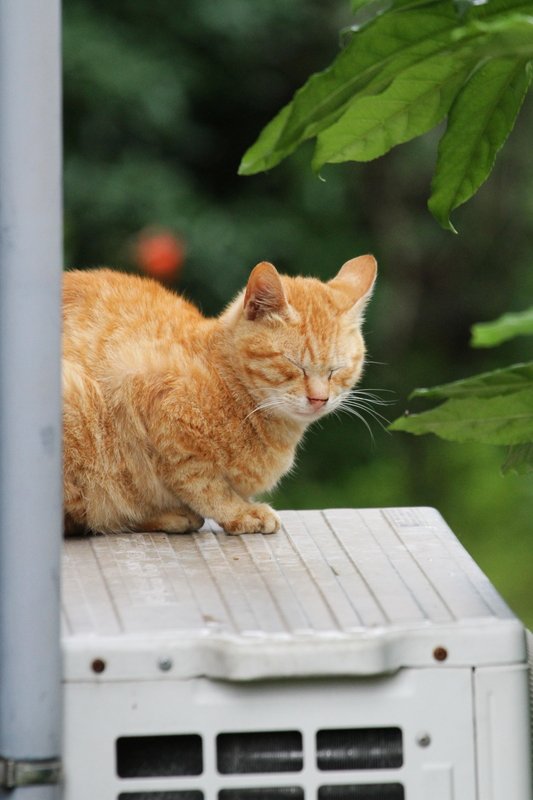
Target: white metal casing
x=337 y=622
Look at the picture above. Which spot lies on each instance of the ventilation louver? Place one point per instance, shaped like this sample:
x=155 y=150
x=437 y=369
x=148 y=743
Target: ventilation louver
x=359 y=748
x=158 y=756
x=263 y=751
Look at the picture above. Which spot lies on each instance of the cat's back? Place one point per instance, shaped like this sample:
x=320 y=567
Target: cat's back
x=104 y=310
x=105 y=294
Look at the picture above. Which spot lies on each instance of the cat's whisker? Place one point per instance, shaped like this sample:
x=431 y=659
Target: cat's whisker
x=364 y=405
x=359 y=401
x=260 y=407
x=377 y=363
x=377 y=392
x=354 y=413
x=365 y=402
x=371 y=394
x=376 y=401
x=379 y=418
x=271 y=402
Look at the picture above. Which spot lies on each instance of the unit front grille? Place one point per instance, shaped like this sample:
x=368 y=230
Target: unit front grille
x=367 y=791
x=263 y=793
x=359 y=748
x=242 y=753
x=193 y=794
x=371 y=791
x=260 y=751
x=159 y=756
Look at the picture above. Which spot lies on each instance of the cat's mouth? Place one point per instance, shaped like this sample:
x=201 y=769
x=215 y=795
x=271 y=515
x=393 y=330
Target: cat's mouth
x=312 y=412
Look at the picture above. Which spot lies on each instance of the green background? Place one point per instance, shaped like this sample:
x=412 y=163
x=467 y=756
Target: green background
x=161 y=101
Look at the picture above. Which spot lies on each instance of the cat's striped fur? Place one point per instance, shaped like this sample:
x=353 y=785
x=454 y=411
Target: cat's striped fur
x=170 y=417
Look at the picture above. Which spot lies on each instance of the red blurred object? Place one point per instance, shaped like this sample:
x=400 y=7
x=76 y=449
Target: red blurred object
x=160 y=254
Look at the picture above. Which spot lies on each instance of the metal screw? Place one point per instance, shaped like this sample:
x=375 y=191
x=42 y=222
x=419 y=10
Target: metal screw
x=98 y=665
x=440 y=654
x=165 y=664
x=423 y=740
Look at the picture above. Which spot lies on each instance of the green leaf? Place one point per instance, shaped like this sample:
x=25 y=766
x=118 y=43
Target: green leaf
x=506 y=419
x=501 y=9
x=490 y=334
x=377 y=53
x=487 y=384
x=480 y=120
x=374 y=56
x=382 y=6
x=519 y=459
x=510 y=36
x=263 y=154
x=415 y=102
x=357 y=5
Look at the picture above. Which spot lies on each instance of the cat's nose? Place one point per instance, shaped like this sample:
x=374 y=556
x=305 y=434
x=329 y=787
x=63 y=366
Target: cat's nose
x=317 y=402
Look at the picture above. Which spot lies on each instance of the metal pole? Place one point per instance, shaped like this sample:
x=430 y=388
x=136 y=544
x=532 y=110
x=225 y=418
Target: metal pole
x=30 y=422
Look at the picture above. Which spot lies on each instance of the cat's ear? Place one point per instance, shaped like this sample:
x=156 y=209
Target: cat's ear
x=264 y=294
x=356 y=280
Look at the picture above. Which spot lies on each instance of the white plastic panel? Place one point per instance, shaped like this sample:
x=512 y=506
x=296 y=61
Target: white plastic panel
x=336 y=592
x=503 y=734
x=429 y=704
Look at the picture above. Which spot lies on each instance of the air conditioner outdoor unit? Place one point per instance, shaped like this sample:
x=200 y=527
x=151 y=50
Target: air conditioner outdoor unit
x=356 y=655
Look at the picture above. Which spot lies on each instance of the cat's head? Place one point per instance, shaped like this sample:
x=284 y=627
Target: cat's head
x=296 y=343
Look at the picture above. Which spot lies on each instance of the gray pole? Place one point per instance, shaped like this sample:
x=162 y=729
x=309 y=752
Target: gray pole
x=30 y=422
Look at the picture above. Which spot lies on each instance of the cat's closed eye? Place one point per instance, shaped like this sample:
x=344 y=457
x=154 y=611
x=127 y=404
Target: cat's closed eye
x=296 y=364
x=319 y=370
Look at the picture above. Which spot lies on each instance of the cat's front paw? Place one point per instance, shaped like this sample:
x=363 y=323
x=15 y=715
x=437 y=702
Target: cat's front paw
x=258 y=518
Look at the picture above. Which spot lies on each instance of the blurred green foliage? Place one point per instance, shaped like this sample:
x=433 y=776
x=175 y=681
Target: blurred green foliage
x=162 y=100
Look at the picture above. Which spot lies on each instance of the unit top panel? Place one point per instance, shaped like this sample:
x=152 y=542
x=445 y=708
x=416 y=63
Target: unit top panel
x=335 y=592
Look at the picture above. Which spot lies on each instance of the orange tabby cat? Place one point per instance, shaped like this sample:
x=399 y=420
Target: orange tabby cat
x=170 y=417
